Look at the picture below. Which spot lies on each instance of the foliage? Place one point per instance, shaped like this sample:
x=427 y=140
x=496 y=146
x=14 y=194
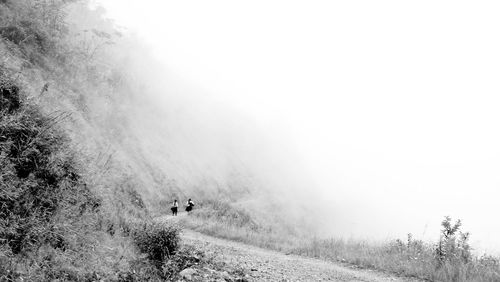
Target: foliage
x=9 y=95
x=41 y=15
x=35 y=27
x=159 y=241
x=165 y=257
x=25 y=32
x=204 y=268
x=185 y=257
x=453 y=243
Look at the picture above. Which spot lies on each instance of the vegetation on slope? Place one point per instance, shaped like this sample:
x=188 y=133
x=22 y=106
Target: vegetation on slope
x=46 y=210
x=52 y=220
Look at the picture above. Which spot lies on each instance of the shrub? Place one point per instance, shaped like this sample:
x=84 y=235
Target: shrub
x=159 y=241
x=9 y=96
x=186 y=257
x=26 y=32
x=14 y=34
x=453 y=244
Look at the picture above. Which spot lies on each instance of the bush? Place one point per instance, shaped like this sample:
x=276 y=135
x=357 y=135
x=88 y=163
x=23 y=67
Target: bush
x=453 y=244
x=38 y=28
x=186 y=257
x=26 y=32
x=159 y=241
x=9 y=96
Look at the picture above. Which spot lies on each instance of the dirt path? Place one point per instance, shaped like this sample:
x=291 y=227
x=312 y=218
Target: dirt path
x=266 y=265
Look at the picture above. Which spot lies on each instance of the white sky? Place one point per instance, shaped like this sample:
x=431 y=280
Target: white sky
x=393 y=105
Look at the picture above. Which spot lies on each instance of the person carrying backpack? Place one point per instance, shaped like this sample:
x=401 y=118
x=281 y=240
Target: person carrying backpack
x=189 y=205
x=174 y=207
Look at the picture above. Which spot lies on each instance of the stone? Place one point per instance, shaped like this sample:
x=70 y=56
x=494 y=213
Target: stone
x=187 y=273
x=226 y=276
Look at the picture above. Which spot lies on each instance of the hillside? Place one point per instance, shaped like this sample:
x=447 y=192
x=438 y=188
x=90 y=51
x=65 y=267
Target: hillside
x=97 y=139
x=77 y=187
x=118 y=158
x=77 y=66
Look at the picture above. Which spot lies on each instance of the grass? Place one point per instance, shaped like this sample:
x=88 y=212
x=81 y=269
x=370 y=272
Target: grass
x=220 y=219
x=450 y=259
x=46 y=210
x=413 y=259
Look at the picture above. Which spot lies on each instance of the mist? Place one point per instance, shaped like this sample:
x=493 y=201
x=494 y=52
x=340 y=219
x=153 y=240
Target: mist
x=380 y=117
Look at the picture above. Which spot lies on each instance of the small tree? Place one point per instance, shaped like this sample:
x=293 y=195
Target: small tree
x=453 y=243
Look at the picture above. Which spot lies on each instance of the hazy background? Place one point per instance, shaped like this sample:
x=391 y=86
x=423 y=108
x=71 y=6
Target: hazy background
x=387 y=110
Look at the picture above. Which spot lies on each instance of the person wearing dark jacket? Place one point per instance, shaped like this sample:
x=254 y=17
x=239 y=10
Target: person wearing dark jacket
x=189 y=205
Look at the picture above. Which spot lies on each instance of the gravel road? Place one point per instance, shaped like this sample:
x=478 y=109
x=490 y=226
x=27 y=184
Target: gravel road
x=266 y=265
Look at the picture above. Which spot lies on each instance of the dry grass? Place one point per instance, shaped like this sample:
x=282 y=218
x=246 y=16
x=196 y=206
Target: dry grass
x=220 y=219
x=413 y=259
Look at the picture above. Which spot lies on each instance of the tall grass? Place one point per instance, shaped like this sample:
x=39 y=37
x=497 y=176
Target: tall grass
x=45 y=206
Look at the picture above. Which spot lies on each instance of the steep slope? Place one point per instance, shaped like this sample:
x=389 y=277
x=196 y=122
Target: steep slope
x=69 y=210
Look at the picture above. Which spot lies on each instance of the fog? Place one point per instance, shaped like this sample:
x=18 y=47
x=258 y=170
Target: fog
x=385 y=115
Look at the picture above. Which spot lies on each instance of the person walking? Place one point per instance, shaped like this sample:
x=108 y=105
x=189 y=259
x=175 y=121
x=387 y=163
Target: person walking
x=189 y=205
x=175 y=206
